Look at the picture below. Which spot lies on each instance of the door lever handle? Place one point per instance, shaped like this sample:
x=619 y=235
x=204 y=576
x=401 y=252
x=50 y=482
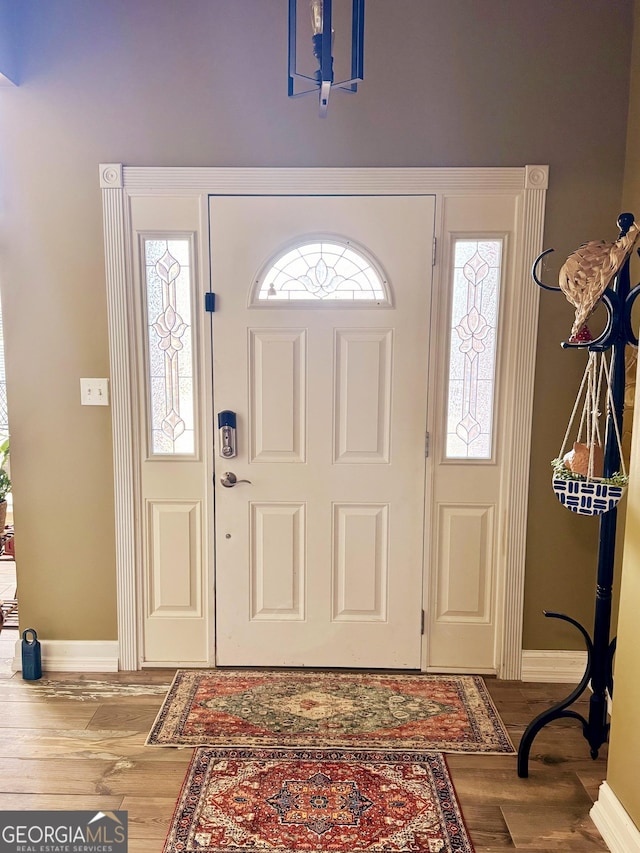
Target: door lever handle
x=229 y=480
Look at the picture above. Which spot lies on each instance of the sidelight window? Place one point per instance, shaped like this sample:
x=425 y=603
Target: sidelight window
x=472 y=349
x=169 y=339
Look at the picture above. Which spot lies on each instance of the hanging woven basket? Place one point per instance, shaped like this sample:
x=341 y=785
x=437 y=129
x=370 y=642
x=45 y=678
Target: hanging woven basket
x=587 y=497
x=577 y=476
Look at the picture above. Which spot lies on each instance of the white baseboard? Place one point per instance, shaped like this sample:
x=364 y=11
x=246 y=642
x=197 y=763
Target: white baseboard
x=553 y=665
x=74 y=656
x=619 y=832
x=548 y=665
x=461 y=670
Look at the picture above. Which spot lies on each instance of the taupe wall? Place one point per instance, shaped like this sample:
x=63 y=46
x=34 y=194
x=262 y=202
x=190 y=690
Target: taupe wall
x=156 y=82
x=624 y=750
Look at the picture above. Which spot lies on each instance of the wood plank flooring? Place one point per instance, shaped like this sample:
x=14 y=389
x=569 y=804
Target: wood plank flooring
x=76 y=741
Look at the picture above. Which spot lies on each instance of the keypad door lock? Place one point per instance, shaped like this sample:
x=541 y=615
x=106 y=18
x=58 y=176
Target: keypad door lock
x=227 y=434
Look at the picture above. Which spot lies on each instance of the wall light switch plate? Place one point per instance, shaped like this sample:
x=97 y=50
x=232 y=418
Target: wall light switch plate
x=94 y=392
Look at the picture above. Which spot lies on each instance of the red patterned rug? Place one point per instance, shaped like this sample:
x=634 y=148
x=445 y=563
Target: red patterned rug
x=303 y=709
x=343 y=801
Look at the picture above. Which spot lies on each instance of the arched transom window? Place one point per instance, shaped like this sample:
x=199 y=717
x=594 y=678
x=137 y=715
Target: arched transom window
x=322 y=270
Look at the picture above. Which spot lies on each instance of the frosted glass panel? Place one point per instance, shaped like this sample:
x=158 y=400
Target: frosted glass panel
x=171 y=405
x=472 y=354
x=321 y=271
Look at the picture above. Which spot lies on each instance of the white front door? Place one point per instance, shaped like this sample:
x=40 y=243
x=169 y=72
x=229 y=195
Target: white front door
x=319 y=557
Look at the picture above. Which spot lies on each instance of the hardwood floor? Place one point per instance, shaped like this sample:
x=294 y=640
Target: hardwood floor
x=76 y=741
x=549 y=811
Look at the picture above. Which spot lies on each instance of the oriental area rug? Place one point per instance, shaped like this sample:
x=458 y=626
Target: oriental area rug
x=249 y=709
x=343 y=801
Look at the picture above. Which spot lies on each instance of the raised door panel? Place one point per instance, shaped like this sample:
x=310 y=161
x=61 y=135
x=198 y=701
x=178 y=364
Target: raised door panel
x=175 y=608
x=464 y=566
x=360 y=562
x=277 y=572
x=363 y=395
x=462 y=627
x=174 y=583
x=277 y=388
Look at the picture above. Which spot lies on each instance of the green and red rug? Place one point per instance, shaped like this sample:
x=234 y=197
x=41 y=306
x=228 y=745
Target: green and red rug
x=302 y=710
x=335 y=801
x=323 y=762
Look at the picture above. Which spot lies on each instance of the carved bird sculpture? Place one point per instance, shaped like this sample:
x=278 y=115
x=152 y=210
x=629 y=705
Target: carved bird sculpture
x=587 y=273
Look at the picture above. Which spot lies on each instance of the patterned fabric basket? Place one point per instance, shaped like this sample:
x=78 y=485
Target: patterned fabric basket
x=587 y=497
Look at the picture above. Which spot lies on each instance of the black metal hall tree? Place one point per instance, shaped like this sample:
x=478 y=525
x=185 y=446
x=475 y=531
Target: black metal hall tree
x=618 y=299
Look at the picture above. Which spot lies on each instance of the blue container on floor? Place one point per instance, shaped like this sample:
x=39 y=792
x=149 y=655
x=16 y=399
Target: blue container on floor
x=31 y=656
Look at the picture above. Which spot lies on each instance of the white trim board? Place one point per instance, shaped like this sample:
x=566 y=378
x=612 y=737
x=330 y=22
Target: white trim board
x=73 y=656
x=619 y=832
x=120 y=184
x=553 y=665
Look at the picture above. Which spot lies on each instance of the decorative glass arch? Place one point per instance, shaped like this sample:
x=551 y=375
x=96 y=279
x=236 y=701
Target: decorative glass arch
x=322 y=270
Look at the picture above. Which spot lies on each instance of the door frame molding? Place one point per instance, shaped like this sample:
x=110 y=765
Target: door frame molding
x=120 y=183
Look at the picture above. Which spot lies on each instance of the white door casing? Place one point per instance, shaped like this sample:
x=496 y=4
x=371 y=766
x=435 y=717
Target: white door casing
x=164 y=188
x=319 y=557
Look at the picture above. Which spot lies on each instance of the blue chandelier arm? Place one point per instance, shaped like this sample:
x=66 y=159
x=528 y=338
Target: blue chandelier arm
x=534 y=270
x=357 y=46
x=344 y=85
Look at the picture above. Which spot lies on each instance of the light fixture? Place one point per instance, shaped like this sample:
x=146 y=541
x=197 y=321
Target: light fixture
x=322 y=43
